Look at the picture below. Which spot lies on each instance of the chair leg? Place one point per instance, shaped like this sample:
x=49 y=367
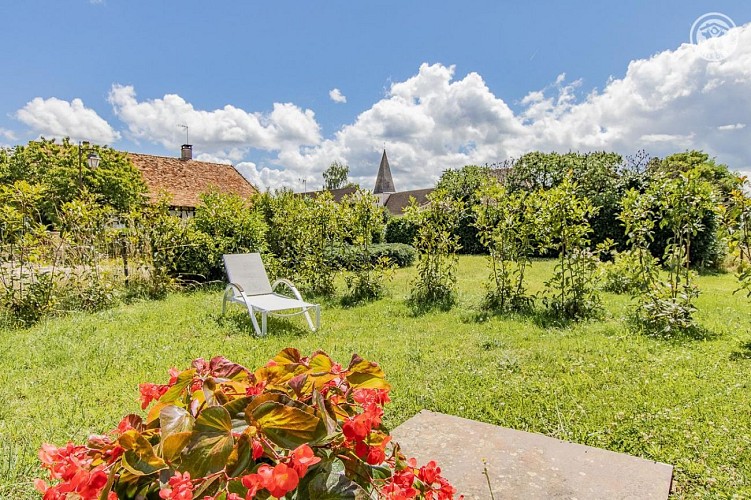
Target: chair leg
x=318 y=318
x=254 y=321
x=310 y=321
x=263 y=323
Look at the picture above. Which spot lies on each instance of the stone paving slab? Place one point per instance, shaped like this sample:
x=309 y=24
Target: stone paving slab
x=525 y=465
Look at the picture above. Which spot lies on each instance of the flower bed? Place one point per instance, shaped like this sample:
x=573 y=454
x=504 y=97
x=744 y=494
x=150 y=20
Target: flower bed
x=296 y=428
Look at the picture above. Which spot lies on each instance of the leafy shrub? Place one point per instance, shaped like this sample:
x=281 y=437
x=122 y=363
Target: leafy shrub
x=628 y=272
x=28 y=255
x=301 y=232
x=231 y=225
x=345 y=256
x=436 y=244
x=571 y=293
x=180 y=250
x=368 y=281
x=462 y=185
x=299 y=427
x=507 y=224
x=665 y=312
x=363 y=218
x=574 y=276
x=400 y=230
x=682 y=201
x=86 y=291
x=30 y=297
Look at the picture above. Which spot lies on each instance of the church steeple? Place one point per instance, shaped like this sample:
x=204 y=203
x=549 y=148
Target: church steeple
x=384 y=181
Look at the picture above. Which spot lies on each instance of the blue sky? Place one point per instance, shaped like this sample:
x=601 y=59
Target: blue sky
x=140 y=68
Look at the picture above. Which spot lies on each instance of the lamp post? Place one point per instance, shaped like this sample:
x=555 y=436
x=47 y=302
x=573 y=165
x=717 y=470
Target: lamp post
x=92 y=160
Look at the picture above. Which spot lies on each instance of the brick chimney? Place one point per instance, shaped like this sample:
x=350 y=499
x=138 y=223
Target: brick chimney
x=186 y=152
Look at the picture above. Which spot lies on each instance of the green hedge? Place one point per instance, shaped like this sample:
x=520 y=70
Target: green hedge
x=346 y=257
x=400 y=230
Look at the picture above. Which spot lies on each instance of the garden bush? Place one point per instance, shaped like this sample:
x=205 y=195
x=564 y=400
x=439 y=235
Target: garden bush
x=346 y=256
x=227 y=219
x=507 y=225
x=400 y=230
x=363 y=218
x=571 y=293
x=436 y=244
x=676 y=203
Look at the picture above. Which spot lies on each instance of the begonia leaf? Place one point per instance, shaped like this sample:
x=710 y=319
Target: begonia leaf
x=286 y=426
x=183 y=381
x=223 y=368
x=287 y=356
x=174 y=419
x=363 y=374
x=335 y=486
x=210 y=444
x=173 y=445
x=139 y=458
x=241 y=456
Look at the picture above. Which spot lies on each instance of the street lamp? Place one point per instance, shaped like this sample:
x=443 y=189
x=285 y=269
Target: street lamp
x=92 y=160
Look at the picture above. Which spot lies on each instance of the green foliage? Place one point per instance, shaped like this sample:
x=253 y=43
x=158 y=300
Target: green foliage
x=683 y=201
x=507 y=224
x=400 y=230
x=572 y=292
x=115 y=182
x=705 y=168
x=436 y=245
x=629 y=271
x=598 y=177
x=231 y=225
x=335 y=176
x=462 y=185
x=399 y=254
x=362 y=218
x=301 y=232
x=346 y=257
x=28 y=255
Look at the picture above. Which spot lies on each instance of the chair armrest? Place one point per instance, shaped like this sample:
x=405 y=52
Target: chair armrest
x=289 y=285
x=235 y=286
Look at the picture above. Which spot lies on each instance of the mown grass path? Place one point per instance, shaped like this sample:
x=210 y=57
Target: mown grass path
x=685 y=402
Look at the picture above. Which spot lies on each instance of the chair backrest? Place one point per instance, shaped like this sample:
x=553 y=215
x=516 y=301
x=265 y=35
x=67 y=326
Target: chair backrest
x=246 y=270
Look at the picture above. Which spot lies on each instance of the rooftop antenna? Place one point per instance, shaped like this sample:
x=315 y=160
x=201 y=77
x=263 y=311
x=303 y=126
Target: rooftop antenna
x=186 y=132
x=304 y=184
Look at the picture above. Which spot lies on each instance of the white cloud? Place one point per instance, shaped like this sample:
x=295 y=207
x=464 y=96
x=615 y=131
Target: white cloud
x=8 y=134
x=337 y=96
x=157 y=120
x=54 y=117
x=435 y=120
x=734 y=126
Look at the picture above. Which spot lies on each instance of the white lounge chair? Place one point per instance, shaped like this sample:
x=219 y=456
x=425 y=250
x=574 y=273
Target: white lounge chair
x=249 y=286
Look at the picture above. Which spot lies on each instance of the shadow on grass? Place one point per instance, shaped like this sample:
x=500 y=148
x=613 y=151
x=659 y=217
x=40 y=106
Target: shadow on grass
x=743 y=352
x=240 y=322
x=682 y=336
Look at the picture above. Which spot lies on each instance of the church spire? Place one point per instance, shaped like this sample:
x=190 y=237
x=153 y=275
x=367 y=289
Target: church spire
x=384 y=182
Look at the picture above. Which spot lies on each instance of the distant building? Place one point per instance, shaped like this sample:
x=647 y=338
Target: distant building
x=384 y=190
x=185 y=179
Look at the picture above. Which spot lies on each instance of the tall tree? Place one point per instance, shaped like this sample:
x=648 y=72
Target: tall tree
x=61 y=168
x=335 y=176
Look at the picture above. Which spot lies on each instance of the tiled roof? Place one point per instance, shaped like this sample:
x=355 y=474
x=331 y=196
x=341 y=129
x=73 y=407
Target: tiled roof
x=397 y=202
x=338 y=194
x=185 y=180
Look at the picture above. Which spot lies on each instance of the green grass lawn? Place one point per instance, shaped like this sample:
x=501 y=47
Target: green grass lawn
x=686 y=403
